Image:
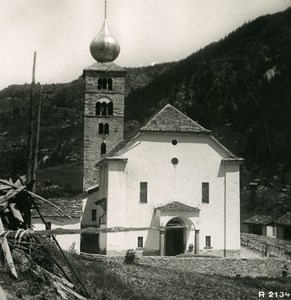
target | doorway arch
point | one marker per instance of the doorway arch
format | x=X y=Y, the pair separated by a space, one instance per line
x=175 y=237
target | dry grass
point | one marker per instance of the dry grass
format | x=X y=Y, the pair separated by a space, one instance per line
x=118 y=280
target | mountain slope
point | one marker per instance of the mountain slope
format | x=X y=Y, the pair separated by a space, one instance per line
x=238 y=87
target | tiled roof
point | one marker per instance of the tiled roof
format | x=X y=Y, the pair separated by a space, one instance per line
x=260 y=219
x=175 y=205
x=284 y=220
x=170 y=119
x=70 y=205
x=109 y=66
x=122 y=144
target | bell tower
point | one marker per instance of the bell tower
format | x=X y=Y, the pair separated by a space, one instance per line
x=103 y=104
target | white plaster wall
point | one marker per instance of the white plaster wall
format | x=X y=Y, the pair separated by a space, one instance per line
x=149 y=159
x=102 y=240
x=65 y=240
x=271 y=231
x=232 y=206
x=89 y=205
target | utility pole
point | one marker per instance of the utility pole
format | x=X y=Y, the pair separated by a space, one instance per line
x=30 y=160
x=30 y=129
x=36 y=144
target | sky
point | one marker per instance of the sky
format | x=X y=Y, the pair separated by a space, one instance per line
x=149 y=31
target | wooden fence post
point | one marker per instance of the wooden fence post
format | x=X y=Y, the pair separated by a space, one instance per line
x=6 y=252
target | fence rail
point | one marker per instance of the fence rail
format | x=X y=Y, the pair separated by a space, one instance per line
x=89 y=230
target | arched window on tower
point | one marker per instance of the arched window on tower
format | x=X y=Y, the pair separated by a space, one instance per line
x=104 y=84
x=103 y=109
x=103 y=148
x=109 y=82
x=99 y=85
x=106 y=128
x=98 y=108
x=110 y=108
x=101 y=128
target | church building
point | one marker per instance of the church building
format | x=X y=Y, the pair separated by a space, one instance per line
x=173 y=185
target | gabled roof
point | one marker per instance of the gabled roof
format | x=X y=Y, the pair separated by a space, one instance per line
x=109 y=66
x=70 y=205
x=284 y=220
x=119 y=146
x=260 y=220
x=170 y=119
x=175 y=205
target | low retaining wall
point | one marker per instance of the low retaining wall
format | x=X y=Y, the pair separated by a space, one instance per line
x=267 y=246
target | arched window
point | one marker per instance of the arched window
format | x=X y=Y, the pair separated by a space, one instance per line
x=101 y=128
x=110 y=108
x=109 y=82
x=98 y=108
x=103 y=109
x=106 y=128
x=104 y=84
x=99 y=86
x=103 y=148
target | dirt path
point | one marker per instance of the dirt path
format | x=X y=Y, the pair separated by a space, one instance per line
x=246 y=253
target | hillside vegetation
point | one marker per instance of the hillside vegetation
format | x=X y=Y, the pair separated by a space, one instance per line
x=239 y=87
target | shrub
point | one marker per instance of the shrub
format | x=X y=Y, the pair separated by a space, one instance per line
x=130 y=257
x=72 y=249
x=191 y=247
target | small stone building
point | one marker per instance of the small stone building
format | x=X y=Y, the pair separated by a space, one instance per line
x=56 y=219
x=261 y=225
x=283 y=225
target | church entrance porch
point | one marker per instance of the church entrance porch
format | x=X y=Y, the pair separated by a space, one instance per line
x=175 y=238
x=179 y=228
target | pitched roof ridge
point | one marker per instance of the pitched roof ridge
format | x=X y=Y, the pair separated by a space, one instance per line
x=180 y=112
x=260 y=219
x=191 y=126
x=176 y=205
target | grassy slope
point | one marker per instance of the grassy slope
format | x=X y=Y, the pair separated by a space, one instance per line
x=68 y=175
x=151 y=282
x=110 y=278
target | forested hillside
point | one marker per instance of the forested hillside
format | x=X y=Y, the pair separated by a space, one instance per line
x=239 y=87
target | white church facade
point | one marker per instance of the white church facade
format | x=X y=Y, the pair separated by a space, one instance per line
x=173 y=185
x=173 y=173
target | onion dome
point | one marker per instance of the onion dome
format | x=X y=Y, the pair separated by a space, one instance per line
x=104 y=48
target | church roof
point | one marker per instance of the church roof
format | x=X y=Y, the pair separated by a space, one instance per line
x=123 y=143
x=175 y=205
x=170 y=119
x=284 y=220
x=260 y=220
x=108 y=66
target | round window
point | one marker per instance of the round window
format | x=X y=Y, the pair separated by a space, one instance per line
x=174 y=161
x=174 y=142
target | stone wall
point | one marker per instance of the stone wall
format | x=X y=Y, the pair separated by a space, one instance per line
x=267 y=246
x=92 y=138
